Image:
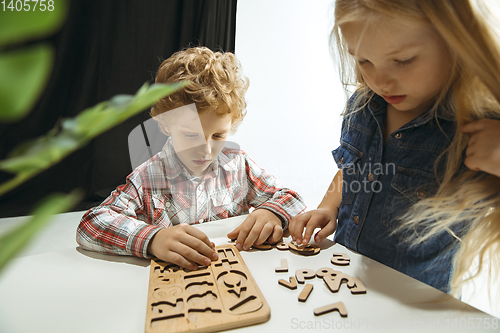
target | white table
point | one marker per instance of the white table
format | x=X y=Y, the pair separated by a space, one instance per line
x=54 y=286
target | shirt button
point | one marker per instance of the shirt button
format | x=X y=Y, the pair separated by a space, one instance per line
x=200 y=221
x=356 y=219
x=374 y=104
x=422 y=194
x=398 y=135
x=341 y=160
x=370 y=177
x=168 y=204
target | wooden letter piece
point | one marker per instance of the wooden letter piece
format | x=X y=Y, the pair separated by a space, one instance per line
x=304 y=294
x=283 y=268
x=340 y=259
x=302 y=274
x=282 y=246
x=290 y=285
x=264 y=247
x=305 y=250
x=359 y=287
x=333 y=282
x=326 y=271
x=339 y=306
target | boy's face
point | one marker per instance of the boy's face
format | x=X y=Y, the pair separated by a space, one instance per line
x=198 y=138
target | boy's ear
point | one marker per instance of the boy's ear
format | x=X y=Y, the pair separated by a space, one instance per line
x=166 y=130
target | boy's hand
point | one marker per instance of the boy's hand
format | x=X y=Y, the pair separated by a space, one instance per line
x=183 y=245
x=259 y=226
x=483 y=150
x=318 y=218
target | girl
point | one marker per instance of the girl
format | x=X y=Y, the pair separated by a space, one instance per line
x=419 y=157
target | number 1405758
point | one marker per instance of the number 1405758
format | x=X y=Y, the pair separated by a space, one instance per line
x=27 y=5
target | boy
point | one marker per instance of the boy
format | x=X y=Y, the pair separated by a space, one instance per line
x=194 y=178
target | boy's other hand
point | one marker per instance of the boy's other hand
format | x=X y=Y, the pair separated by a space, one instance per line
x=183 y=245
x=318 y=218
x=259 y=226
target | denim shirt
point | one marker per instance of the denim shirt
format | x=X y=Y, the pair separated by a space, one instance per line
x=382 y=181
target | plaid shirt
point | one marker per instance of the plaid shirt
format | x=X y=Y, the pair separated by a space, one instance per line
x=161 y=193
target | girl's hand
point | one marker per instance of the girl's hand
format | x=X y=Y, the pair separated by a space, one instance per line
x=183 y=245
x=259 y=226
x=318 y=218
x=483 y=151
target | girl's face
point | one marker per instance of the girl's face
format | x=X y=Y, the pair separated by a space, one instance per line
x=406 y=63
x=198 y=138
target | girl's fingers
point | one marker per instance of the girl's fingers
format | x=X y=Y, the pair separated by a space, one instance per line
x=474 y=126
x=311 y=225
x=472 y=140
x=326 y=231
x=298 y=226
x=469 y=151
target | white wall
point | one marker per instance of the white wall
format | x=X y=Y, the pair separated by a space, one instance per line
x=295 y=98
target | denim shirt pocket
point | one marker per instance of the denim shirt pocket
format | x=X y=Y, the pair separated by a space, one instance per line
x=407 y=188
x=347 y=158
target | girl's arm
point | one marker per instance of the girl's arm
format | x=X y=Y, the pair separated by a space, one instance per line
x=324 y=217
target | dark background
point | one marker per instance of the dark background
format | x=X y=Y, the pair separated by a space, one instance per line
x=107 y=48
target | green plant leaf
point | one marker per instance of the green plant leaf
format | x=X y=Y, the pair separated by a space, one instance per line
x=32 y=157
x=25 y=73
x=22 y=25
x=15 y=240
x=102 y=117
x=40 y=153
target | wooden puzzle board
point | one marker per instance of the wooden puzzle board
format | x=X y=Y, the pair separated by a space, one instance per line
x=218 y=297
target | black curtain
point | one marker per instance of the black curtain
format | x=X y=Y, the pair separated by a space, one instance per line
x=107 y=48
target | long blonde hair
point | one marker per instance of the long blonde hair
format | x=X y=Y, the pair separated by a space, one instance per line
x=465 y=197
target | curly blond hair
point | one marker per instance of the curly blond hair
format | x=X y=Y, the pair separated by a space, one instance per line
x=216 y=83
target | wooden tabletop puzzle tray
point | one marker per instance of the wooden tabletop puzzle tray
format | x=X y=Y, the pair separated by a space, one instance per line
x=213 y=298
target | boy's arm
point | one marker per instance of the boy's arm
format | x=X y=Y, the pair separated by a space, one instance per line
x=265 y=191
x=115 y=226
